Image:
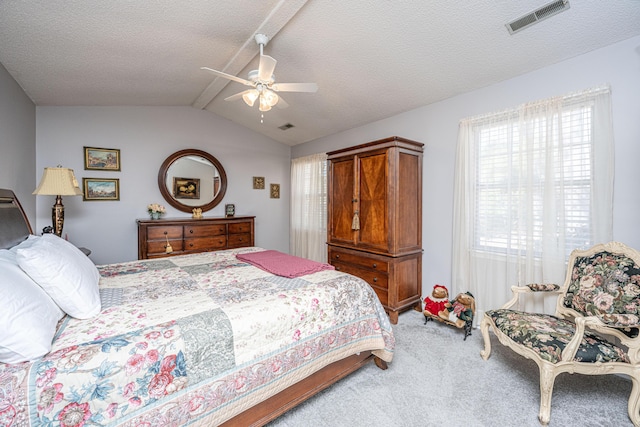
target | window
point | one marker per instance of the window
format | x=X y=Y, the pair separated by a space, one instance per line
x=309 y=207
x=504 y=159
x=531 y=184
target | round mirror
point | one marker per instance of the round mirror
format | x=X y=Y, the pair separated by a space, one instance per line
x=191 y=179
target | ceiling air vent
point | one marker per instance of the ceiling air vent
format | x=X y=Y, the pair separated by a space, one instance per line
x=544 y=12
x=285 y=126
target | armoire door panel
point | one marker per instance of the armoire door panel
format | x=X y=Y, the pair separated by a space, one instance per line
x=373 y=201
x=342 y=201
x=409 y=193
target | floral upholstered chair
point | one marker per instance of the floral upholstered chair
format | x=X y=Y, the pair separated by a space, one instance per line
x=595 y=329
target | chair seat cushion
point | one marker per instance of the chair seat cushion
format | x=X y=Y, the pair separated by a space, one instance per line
x=548 y=335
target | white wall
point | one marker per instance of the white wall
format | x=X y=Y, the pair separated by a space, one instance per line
x=17 y=142
x=145 y=137
x=436 y=125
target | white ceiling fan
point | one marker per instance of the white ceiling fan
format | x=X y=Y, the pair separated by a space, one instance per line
x=262 y=82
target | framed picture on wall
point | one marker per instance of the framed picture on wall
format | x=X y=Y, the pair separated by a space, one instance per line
x=186 y=188
x=101 y=159
x=275 y=191
x=100 y=189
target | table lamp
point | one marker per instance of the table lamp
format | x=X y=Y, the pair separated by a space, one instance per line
x=58 y=182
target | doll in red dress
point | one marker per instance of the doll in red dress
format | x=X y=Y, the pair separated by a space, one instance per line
x=435 y=303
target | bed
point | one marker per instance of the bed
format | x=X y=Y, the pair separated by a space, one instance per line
x=203 y=339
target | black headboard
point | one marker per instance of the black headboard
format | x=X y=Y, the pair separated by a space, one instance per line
x=14 y=224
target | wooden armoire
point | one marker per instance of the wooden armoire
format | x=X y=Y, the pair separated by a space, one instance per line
x=375 y=218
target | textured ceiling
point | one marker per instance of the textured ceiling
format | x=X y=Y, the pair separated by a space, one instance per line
x=371 y=60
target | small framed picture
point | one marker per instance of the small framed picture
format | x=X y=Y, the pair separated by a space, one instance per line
x=229 y=210
x=101 y=159
x=100 y=189
x=275 y=191
x=258 y=182
x=186 y=188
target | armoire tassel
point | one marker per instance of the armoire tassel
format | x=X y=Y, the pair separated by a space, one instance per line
x=355 y=224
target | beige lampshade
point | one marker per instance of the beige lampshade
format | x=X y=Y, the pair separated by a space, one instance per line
x=58 y=181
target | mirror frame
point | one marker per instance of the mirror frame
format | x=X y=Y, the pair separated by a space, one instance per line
x=162 y=180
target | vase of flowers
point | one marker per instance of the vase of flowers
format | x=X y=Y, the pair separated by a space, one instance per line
x=155 y=210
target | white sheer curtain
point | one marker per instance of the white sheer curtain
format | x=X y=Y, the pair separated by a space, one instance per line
x=309 y=207
x=531 y=184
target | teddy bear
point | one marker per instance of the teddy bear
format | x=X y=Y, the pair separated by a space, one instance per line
x=460 y=310
x=435 y=303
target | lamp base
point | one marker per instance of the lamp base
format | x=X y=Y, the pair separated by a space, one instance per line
x=57 y=216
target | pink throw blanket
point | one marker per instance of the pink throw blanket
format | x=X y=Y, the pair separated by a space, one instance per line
x=282 y=264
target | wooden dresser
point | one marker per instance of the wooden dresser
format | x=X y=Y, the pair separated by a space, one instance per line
x=375 y=218
x=187 y=235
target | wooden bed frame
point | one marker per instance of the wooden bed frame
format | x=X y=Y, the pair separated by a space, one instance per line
x=15 y=227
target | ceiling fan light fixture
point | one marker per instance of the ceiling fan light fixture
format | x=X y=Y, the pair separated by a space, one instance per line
x=264 y=105
x=271 y=97
x=250 y=97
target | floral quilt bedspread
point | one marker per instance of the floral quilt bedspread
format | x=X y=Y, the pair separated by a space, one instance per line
x=191 y=338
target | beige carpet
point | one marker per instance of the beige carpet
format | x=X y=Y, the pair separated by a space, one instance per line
x=437 y=379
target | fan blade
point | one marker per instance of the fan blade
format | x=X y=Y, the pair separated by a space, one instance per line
x=295 y=87
x=281 y=103
x=266 y=67
x=228 y=76
x=237 y=95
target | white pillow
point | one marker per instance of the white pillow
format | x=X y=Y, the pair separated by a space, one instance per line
x=65 y=273
x=28 y=316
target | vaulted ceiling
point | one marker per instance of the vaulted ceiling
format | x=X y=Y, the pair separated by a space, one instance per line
x=371 y=59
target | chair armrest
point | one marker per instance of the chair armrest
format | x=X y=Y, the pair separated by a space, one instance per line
x=528 y=289
x=571 y=348
x=596 y=323
x=624 y=320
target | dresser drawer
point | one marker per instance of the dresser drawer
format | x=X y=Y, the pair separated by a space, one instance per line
x=239 y=240
x=160 y=246
x=159 y=232
x=204 y=230
x=239 y=227
x=205 y=243
x=359 y=260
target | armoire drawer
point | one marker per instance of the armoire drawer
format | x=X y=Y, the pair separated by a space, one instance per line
x=377 y=279
x=359 y=260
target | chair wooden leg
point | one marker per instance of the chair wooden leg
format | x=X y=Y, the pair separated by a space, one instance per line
x=484 y=329
x=634 y=401
x=547 y=378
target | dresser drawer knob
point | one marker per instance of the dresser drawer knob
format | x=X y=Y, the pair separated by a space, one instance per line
x=191 y=231
x=337 y=256
x=165 y=233
x=375 y=265
x=375 y=280
x=337 y=268
x=190 y=245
